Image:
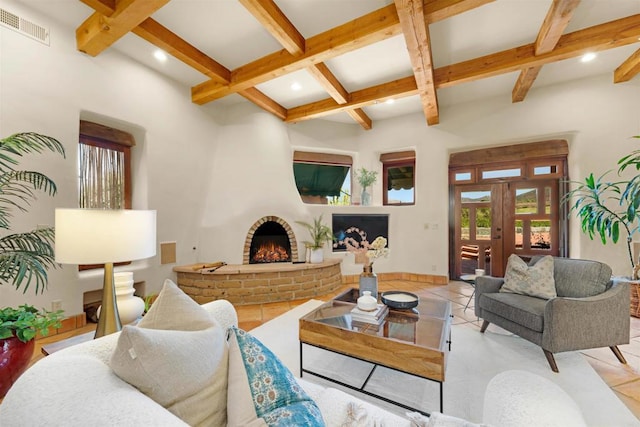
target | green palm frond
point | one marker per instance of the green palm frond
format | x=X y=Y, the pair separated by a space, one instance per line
x=17 y=190
x=25 y=143
x=25 y=257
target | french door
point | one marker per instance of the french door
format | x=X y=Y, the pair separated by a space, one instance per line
x=501 y=207
x=493 y=221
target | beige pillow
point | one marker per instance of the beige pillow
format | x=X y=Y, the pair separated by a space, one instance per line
x=173 y=309
x=182 y=368
x=535 y=281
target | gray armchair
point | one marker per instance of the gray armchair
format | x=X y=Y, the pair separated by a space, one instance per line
x=590 y=310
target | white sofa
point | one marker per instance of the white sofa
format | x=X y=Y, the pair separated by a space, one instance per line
x=76 y=386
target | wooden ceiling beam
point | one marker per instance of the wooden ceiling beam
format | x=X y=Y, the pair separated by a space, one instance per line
x=628 y=69
x=416 y=36
x=163 y=38
x=361 y=118
x=600 y=37
x=105 y=7
x=99 y=32
x=438 y=10
x=363 y=31
x=329 y=82
x=277 y=24
x=264 y=102
x=553 y=26
x=334 y=88
x=524 y=83
x=370 y=28
x=605 y=36
x=558 y=17
x=361 y=98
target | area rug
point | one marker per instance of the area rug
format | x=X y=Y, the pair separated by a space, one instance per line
x=474 y=359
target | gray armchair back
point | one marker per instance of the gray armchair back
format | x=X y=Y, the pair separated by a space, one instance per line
x=590 y=310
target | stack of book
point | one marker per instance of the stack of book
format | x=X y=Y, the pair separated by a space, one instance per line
x=373 y=317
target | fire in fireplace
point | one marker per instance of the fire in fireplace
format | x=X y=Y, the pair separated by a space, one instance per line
x=270 y=243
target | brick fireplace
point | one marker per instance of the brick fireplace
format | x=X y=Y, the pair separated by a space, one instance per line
x=262 y=281
x=273 y=225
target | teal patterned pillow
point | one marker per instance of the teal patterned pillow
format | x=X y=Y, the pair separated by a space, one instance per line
x=261 y=390
x=535 y=281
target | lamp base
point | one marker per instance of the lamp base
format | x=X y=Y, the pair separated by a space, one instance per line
x=109 y=320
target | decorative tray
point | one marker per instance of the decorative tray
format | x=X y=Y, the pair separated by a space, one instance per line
x=399 y=299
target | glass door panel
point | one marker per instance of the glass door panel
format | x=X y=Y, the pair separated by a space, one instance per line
x=473 y=230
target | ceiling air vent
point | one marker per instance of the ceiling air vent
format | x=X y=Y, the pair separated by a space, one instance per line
x=24 y=26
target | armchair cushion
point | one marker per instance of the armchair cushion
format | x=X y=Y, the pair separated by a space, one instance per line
x=524 y=310
x=536 y=280
x=578 y=278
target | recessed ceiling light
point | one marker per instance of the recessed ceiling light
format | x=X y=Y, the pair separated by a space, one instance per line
x=160 y=55
x=590 y=56
x=390 y=101
x=296 y=86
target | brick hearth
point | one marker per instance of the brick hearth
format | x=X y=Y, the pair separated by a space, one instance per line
x=260 y=283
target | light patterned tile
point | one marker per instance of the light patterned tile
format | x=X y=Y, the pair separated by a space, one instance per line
x=630 y=389
x=613 y=374
x=273 y=310
x=249 y=312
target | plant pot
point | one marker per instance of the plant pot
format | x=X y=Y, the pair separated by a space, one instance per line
x=15 y=356
x=317 y=256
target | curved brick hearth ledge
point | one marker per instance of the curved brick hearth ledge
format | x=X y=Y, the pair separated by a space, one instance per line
x=259 y=283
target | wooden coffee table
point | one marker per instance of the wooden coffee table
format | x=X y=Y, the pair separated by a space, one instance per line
x=415 y=342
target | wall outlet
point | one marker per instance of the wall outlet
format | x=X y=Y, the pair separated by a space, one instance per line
x=56 y=305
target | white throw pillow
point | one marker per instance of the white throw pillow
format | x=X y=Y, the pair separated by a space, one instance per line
x=535 y=281
x=178 y=357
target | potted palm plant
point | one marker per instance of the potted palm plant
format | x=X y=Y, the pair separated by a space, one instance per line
x=320 y=234
x=608 y=209
x=611 y=209
x=24 y=257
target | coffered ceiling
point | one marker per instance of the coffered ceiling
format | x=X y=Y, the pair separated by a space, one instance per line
x=344 y=59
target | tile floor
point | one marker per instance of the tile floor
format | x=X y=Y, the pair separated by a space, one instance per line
x=624 y=380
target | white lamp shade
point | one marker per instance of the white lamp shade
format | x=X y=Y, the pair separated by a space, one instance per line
x=92 y=236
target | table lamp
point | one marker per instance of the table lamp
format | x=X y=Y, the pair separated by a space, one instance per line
x=92 y=236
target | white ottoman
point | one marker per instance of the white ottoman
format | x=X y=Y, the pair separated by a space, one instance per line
x=520 y=398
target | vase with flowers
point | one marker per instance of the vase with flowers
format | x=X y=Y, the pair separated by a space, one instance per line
x=365 y=253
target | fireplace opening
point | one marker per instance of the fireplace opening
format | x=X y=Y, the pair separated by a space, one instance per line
x=270 y=243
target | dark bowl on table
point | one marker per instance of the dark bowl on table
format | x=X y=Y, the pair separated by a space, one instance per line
x=387 y=299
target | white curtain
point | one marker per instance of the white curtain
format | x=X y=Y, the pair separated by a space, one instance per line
x=101 y=178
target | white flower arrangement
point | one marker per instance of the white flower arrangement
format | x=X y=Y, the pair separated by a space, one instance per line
x=378 y=249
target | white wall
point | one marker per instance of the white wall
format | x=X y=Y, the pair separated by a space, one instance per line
x=48 y=89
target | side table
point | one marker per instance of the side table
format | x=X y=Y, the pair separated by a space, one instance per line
x=470 y=279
